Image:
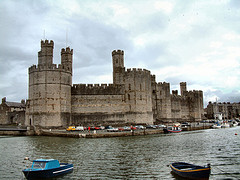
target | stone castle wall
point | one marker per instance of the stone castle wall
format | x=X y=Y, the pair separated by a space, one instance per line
x=176 y=108
x=94 y=104
x=138 y=95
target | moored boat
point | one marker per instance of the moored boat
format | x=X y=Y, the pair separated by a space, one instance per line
x=172 y=129
x=225 y=125
x=234 y=124
x=216 y=126
x=47 y=168
x=191 y=171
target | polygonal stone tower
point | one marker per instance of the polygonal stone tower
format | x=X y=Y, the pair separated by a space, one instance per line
x=49 y=102
x=118 y=66
x=183 y=88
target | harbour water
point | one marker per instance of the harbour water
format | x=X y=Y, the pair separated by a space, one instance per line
x=136 y=157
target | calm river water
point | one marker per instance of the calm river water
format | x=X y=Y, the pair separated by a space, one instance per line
x=137 y=157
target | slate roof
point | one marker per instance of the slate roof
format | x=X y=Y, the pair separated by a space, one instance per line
x=15 y=104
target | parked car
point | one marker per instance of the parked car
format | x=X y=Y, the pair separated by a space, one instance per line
x=140 y=127
x=185 y=124
x=161 y=126
x=126 y=128
x=133 y=128
x=71 y=128
x=120 y=129
x=151 y=127
x=79 y=128
x=101 y=127
x=108 y=127
x=112 y=129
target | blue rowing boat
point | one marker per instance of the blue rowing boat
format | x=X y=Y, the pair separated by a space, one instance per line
x=191 y=171
x=47 y=168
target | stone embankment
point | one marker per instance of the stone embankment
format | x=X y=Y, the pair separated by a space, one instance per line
x=97 y=134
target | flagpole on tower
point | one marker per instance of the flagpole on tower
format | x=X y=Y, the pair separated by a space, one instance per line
x=44 y=38
x=66 y=37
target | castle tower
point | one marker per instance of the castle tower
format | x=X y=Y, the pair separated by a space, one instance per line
x=45 y=56
x=118 y=66
x=66 y=58
x=183 y=88
x=49 y=101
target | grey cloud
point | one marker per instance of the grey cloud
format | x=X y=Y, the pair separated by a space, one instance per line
x=232 y=97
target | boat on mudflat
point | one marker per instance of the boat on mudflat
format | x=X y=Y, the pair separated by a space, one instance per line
x=47 y=168
x=172 y=129
x=191 y=171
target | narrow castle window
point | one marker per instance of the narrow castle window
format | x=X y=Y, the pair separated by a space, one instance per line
x=128 y=96
x=140 y=87
x=129 y=86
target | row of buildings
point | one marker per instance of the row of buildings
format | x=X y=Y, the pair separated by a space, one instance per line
x=134 y=97
x=225 y=110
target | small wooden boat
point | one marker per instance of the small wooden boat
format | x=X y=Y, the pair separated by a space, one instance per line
x=191 y=171
x=174 y=129
x=47 y=168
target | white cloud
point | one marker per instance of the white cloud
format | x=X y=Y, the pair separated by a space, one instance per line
x=164 y=6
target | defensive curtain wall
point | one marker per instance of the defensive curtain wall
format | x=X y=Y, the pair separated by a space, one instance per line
x=168 y=108
x=94 y=104
x=134 y=97
x=114 y=103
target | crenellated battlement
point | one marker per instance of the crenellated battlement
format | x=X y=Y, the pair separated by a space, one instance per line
x=163 y=84
x=137 y=70
x=194 y=93
x=177 y=97
x=67 y=51
x=54 y=67
x=47 y=43
x=96 y=89
x=175 y=92
x=183 y=84
x=153 y=78
x=118 y=52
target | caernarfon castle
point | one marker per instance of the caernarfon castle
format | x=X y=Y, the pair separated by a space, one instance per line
x=134 y=97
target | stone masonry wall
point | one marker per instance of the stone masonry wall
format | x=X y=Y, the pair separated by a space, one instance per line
x=138 y=94
x=49 y=102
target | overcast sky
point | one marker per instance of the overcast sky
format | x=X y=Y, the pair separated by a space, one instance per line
x=197 y=42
